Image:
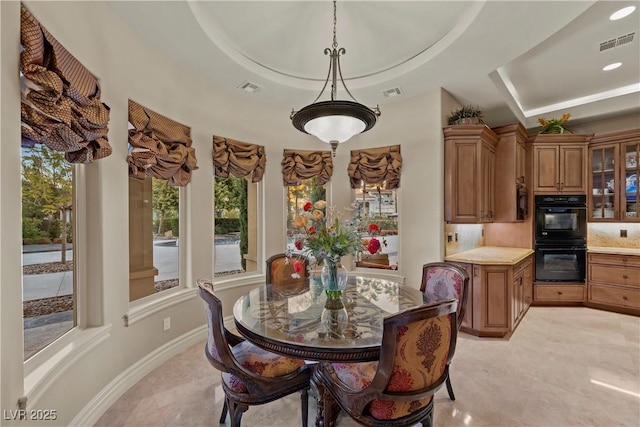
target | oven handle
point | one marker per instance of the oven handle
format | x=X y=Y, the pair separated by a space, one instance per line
x=555 y=249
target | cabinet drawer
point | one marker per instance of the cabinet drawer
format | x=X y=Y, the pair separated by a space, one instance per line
x=614 y=259
x=522 y=265
x=615 y=296
x=614 y=275
x=558 y=293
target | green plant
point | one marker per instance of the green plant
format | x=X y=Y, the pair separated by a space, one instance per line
x=555 y=125
x=469 y=111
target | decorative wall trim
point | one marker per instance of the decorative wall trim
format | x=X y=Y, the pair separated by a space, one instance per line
x=102 y=401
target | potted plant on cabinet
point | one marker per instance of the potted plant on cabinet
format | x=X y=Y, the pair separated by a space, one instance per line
x=469 y=114
x=555 y=125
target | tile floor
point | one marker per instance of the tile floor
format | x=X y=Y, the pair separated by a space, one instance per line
x=562 y=367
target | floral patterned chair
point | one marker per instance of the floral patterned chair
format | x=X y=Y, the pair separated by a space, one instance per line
x=250 y=375
x=442 y=281
x=397 y=390
x=288 y=275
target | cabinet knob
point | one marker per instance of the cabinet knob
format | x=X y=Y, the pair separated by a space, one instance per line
x=624 y=276
x=559 y=292
x=561 y=185
x=624 y=297
x=624 y=260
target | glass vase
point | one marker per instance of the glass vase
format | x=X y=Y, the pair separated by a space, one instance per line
x=334 y=277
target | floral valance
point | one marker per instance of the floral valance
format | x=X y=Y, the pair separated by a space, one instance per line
x=61 y=105
x=298 y=165
x=237 y=158
x=375 y=166
x=159 y=147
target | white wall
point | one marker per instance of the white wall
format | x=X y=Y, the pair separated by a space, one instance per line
x=127 y=69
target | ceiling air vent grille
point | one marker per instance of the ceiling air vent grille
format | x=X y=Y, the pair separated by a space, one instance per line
x=250 y=87
x=390 y=93
x=610 y=44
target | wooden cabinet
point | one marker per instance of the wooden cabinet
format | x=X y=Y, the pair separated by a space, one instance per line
x=500 y=296
x=613 y=177
x=469 y=174
x=559 y=163
x=511 y=177
x=613 y=281
x=559 y=294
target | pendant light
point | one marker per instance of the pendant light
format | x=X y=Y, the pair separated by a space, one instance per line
x=334 y=121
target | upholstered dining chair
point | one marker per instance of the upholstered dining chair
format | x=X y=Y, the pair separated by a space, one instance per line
x=397 y=390
x=250 y=375
x=442 y=281
x=282 y=276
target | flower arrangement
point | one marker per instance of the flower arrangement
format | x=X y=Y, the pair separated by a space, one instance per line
x=374 y=245
x=555 y=125
x=324 y=234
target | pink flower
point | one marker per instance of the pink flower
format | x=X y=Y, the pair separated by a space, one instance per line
x=374 y=245
x=308 y=206
x=297 y=266
x=299 y=244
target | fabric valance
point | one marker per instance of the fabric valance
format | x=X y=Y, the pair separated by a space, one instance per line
x=298 y=165
x=237 y=158
x=375 y=166
x=61 y=105
x=159 y=147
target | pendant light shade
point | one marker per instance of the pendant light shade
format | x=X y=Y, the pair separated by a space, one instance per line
x=334 y=121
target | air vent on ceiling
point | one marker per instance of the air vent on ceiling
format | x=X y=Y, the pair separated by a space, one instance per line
x=390 y=93
x=249 y=87
x=610 y=44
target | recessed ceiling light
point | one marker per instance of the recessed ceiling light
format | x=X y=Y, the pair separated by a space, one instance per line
x=625 y=11
x=611 y=66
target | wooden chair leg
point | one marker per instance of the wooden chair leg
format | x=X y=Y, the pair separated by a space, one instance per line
x=428 y=420
x=223 y=417
x=235 y=411
x=450 y=389
x=304 y=397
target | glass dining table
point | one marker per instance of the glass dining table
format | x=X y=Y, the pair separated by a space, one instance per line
x=287 y=321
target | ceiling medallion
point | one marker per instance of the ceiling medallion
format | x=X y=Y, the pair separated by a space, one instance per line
x=334 y=121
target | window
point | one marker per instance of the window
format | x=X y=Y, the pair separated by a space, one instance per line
x=154 y=235
x=48 y=211
x=375 y=204
x=297 y=196
x=235 y=226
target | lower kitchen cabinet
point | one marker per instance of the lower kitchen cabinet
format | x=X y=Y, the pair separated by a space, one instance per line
x=613 y=282
x=500 y=296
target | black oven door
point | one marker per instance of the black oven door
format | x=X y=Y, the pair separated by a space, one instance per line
x=561 y=223
x=560 y=263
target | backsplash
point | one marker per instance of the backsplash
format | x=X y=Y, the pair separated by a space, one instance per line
x=608 y=235
x=463 y=237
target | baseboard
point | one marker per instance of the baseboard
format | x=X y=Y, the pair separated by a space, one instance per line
x=102 y=401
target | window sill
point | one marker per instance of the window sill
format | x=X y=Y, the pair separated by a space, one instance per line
x=230 y=282
x=46 y=366
x=146 y=307
x=378 y=274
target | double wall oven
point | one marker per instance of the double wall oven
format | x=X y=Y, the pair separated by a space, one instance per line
x=561 y=238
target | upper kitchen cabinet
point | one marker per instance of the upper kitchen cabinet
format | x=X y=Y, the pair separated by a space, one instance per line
x=469 y=173
x=613 y=172
x=559 y=163
x=511 y=177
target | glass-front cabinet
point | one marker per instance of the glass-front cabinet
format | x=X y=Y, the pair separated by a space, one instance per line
x=613 y=172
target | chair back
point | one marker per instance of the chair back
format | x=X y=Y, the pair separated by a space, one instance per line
x=282 y=277
x=442 y=281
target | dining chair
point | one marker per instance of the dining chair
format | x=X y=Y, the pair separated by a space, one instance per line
x=282 y=276
x=250 y=374
x=442 y=281
x=396 y=390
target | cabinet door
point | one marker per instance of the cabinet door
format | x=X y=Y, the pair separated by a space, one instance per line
x=486 y=189
x=517 y=296
x=546 y=177
x=496 y=298
x=630 y=167
x=527 y=294
x=572 y=169
x=603 y=183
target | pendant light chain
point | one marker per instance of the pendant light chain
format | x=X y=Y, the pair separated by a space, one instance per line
x=335 y=20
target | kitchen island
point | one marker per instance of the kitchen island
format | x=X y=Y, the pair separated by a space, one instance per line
x=500 y=288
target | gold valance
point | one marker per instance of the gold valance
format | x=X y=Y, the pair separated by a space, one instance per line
x=61 y=105
x=298 y=165
x=237 y=158
x=375 y=166
x=160 y=147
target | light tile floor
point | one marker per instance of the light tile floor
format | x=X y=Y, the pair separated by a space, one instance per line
x=564 y=366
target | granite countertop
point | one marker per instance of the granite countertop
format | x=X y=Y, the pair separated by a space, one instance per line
x=616 y=251
x=491 y=255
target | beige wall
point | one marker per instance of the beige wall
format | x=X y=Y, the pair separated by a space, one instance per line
x=130 y=69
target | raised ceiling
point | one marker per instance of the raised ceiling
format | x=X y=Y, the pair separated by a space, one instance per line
x=518 y=60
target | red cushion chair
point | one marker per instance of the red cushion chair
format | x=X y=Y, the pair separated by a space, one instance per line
x=442 y=281
x=250 y=374
x=397 y=390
